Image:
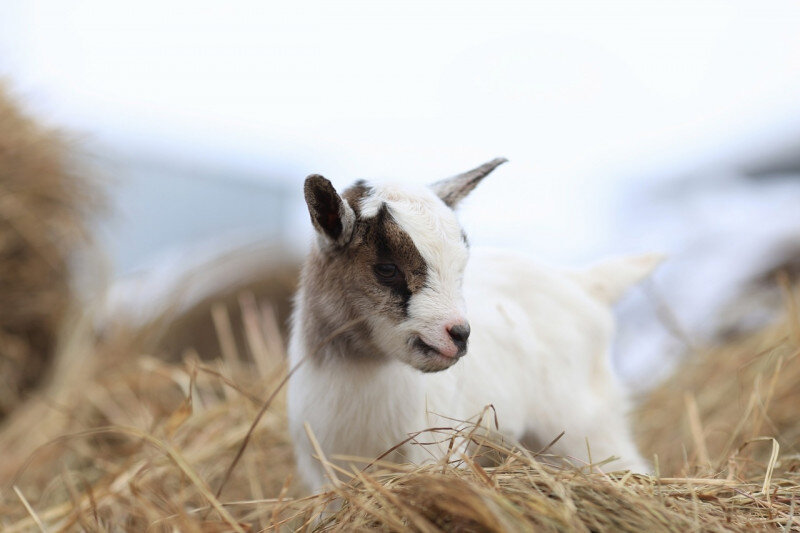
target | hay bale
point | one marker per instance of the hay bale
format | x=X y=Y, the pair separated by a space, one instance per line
x=728 y=400
x=43 y=203
x=196 y=327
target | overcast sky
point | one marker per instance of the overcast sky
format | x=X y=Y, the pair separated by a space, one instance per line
x=578 y=95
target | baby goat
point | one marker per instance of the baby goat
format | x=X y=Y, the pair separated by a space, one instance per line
x=395 y=257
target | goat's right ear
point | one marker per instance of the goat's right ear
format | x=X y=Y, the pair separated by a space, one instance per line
x=332 y=217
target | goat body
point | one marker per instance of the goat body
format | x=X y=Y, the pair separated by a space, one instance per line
x=538 y=348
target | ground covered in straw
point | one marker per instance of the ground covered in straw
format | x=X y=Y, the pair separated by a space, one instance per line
x=132 y=442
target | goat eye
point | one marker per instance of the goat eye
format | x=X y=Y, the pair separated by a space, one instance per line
x=386 y=270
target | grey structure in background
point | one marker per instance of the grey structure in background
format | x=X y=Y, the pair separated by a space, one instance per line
x=159 y=205
x=729 y=231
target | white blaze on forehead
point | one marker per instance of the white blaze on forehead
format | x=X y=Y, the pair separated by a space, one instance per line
x=431 y=225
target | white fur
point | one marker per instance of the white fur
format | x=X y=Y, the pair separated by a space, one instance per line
x=538 y=353
x=436 y=233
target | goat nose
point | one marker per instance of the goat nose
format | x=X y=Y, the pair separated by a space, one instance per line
x=459 y=333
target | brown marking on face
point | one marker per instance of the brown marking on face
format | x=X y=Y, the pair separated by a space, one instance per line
x=390 y=245
x=355 y=193
x=343 y=284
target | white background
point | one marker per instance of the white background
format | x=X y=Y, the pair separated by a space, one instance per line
x=594 y=103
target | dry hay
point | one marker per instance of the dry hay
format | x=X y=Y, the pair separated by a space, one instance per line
x=43 y=203
x=147 y=445
x=722 y=401
x=143 y=440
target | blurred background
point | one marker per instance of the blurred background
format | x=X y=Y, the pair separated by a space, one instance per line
x=630 y=126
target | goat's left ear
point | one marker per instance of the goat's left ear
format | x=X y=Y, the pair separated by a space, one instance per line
x=452 y=190
x=332 y=217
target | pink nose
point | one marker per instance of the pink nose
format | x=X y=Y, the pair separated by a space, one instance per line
x=459 y=333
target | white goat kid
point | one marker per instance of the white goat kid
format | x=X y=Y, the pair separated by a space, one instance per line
x=395 y=257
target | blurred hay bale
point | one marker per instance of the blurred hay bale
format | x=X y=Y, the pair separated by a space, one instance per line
x=722 y=400
x=43 y=206
x=191 y=295
x=197 y=327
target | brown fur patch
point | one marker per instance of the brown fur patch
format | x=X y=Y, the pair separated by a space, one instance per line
x=341 y=285
x=355 y=193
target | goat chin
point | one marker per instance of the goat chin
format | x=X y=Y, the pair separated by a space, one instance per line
x=538 y=353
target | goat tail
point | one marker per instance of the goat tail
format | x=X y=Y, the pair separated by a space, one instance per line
x=608 y=280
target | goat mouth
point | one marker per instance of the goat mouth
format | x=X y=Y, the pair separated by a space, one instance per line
x=430 y=351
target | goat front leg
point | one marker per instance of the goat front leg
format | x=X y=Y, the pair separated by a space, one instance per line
x=601 y=440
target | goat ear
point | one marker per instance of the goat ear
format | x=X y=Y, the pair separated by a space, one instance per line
x=332 y=217
x=452 y=190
